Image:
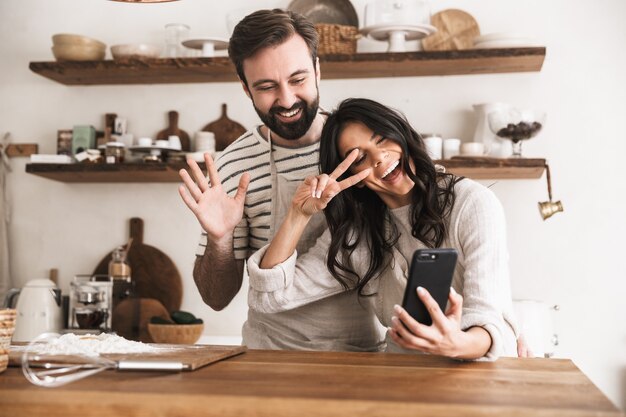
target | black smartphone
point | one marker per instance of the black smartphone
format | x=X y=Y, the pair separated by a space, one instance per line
x=431 y=269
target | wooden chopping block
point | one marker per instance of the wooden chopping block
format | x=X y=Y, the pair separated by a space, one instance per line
x=172 y=129
x=153 y=272
x=132 y=315
x=225 y=130
x=456 y=30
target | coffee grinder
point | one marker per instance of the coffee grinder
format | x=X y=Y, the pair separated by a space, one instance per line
x=91 y=302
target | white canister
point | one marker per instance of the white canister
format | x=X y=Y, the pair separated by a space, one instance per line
x=204 y=142
x=451 y=147
x=434 y=145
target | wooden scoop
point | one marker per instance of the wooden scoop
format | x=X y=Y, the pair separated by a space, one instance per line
x=172 y=129
x=225 y=130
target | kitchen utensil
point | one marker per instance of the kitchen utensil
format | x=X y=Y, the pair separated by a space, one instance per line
x=175 y=333
x=516 y=125
x=396 y=35
x=38 y=309
x=456 y=30
x=498 y=147
x=153 y=272
x=54 y=371
x=134 y=50
x=340 y=12
x=91 y=302
x=172 y=129
x=72 y=39
x=207 y=45
x=225 y=130
x=548 y=208
x=78 y=53
x=132 y=315
x=174 y=34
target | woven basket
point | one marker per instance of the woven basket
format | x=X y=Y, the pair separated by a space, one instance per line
x=336 y=39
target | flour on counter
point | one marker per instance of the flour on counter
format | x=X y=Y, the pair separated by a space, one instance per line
x=91 y=345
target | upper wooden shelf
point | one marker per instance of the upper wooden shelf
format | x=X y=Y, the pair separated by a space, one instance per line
x=476 y=168
x=365 y=65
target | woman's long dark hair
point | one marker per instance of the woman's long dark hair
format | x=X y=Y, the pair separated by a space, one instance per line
x=358 y=216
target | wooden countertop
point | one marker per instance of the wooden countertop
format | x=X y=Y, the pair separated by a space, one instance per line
x=281 y=383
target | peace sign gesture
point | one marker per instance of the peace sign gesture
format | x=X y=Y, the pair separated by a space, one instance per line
x=314 y=194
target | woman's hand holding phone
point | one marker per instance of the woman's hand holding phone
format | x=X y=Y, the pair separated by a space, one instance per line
x=444 y=337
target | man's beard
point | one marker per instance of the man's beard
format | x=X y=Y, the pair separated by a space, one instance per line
x=294 y=130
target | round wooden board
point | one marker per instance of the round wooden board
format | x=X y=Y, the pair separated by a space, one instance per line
x=456 y=30
x=153 y=272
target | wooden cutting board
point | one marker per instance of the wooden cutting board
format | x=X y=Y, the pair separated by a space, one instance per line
x=172 y=129
x=153 y=272
x=191 y=356
x=456 y=30
x=225 y=130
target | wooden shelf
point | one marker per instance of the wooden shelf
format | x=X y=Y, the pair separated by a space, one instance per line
x=127 y=172
x=365 y=65
x=495 y=168
x=476 y=168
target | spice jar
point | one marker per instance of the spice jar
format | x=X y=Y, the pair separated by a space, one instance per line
x=114 y=152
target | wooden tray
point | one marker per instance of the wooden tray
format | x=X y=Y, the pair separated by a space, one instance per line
x=192 y=357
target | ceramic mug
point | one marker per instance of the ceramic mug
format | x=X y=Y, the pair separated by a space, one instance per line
x=434 y=146
x=451 y=147
x=473 y=149
x=144 y=141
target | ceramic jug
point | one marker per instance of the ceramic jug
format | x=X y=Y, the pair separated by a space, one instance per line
x=495 y=146
x=38 y=309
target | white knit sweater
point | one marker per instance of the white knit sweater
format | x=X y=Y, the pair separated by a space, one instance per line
x=477 y=232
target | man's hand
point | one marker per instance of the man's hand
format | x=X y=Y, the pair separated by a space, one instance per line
x=217 y=212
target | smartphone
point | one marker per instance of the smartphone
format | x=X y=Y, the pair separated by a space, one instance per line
x=431 y=269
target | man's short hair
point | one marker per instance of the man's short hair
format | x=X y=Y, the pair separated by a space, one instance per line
x=267 y=28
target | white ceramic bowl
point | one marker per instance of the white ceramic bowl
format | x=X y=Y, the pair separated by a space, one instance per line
x=78 y=52
x=71 y=39
x=135 y=50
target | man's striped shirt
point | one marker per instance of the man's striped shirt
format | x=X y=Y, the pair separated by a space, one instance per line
x=251 y=153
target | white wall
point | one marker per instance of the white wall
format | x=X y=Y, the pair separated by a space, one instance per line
x=573 y=259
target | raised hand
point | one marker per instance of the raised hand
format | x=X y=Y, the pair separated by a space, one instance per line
x=314 y=194
x=217 y=212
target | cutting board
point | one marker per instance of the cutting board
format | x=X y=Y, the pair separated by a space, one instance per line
x=153 y=272
x=225 y=130
x=456 y=30
x=191 y=356
x=172 y=129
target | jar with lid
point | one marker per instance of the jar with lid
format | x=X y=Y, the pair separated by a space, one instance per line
x=114 y=152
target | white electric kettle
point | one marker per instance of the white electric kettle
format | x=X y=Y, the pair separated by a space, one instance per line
x=38 y=309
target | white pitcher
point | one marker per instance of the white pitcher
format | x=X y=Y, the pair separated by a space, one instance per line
x=495 y=146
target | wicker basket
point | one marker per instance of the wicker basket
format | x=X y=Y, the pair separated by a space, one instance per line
x=336 y=39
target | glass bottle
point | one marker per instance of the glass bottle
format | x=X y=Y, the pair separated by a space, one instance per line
x=119 y=271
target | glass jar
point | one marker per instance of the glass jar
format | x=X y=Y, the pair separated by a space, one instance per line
x=114 y=152
x=175 y=33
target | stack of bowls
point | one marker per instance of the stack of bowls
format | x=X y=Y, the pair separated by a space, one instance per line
x=68 y=47
x=7 y=327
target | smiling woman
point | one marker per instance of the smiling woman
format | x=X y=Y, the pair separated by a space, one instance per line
x=385 y=200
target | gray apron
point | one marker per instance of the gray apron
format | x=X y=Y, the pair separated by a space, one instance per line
x=283 y=190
